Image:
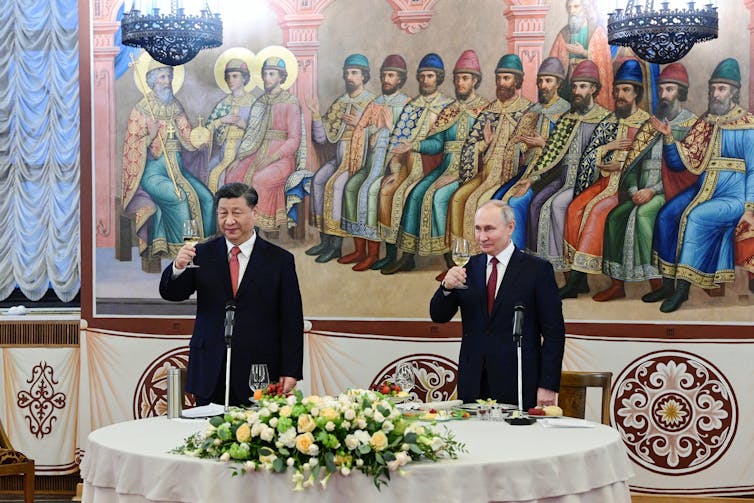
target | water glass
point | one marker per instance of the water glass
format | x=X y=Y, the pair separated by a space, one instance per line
x=405 y=376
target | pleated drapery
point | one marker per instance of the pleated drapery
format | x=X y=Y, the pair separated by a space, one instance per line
x=39 y=148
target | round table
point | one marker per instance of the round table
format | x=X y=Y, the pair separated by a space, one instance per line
x=130 y=463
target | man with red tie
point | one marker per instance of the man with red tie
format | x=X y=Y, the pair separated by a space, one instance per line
x=497 y=280
x=260 y=280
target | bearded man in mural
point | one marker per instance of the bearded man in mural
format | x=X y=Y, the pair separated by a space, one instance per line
x=549 y=108
x=423 y=224
x=581 y=39
x=336 y=128
x=272 y=147
x=366 y=164
x=228 y=121
x=155 y=185
x=540 y=198
x=693 y=236
x=416 y=120
x=596 y=190
x=493 y=152
x=644 y=186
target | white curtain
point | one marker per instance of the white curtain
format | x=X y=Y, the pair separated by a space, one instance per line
x=39 y=148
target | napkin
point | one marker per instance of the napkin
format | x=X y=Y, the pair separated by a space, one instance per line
x=565 y=422
x=444 y=405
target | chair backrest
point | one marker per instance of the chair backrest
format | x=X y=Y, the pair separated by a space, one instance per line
x=572 y=396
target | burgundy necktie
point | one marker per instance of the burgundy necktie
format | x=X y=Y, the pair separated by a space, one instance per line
x=492 y=285
x=234 y=267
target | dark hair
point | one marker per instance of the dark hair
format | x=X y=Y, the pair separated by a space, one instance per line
x=283 y=73
x=519 y=81
x=439 y=73
x=683 y=93
x=237 y=189
x=638 y=89
x=364 y=73
x=246 y=75
x=401 y=76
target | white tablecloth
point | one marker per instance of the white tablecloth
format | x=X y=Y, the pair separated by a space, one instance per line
x=129 y=463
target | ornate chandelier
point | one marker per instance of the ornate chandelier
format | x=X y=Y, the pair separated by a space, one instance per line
x=661 y=36
x=172 y=39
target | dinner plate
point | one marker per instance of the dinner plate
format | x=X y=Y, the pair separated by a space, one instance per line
x=473 y=407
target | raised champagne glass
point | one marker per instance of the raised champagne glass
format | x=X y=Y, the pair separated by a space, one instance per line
x=191 y=236
x=461 y=255
x=405 y=376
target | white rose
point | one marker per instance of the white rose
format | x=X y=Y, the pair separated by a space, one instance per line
x=359 y=462
x=267 y=434
x=437 y=443
x=350 y=414
x=387 y=426
x=313 y=450
x=330 y=426
x=225 y=456
x=393 y=465
x=264 y=412
x=346 y=425
x=273 y=407
x=274 y=422
x=250 y=466
x=290 y=461
x=351 y=442
x=285 y=411
x=314 y=412
x=403 y=458
x=378 y=416
x=217 y=441
x=368 y=412
x=291 y=400
x=344 y=470
x=313 y=462
x=361 y=423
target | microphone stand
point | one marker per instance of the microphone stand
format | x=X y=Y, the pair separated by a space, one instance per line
x=230 y=312
x=518 y=322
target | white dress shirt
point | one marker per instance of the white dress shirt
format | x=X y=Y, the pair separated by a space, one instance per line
x=243 y=257
x=503 y=258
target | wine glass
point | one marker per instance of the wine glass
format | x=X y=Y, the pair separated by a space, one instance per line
x=461 y=255
x=259 y=376
x=191 y=235
x=404 y=376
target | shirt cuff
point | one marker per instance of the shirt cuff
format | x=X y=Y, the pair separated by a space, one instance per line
x=177 y=272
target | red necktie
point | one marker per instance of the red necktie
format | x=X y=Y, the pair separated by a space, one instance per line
x=492 y=285
x=234 y=268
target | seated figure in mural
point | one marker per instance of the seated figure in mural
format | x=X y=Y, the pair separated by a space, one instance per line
x=596 y=195
x=366 y=164
x=493 y=151
x=336 y=128
x=405 y=169
x=228 y=121
x=694 y=232
x=540 y=198
x=549 y=108
x=423 y=223
x=155 y=185
x=644 y=185
x=580 y=40
x=272 y=146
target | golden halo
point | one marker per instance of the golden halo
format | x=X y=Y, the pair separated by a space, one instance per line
x=291 y=64
x=141 y=67
x=241 y=53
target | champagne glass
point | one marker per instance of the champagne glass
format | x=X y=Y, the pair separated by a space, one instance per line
x=404 y=376
x=191 y=236
x=461 y=255
x=259 y=377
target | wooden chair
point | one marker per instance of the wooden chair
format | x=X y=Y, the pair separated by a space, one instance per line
x=13 y=462
x=572 y=396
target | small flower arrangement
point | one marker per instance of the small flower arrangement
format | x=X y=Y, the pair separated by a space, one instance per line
x=389 y=388
x=316 y=437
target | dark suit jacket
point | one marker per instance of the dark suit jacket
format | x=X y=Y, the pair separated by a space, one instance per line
x=530 y=281
x=268 y=319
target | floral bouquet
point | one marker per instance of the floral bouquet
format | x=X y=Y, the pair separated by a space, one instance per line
x=318 y=436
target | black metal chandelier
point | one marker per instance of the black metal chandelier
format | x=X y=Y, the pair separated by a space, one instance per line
x=172 y=39
x=661 y=36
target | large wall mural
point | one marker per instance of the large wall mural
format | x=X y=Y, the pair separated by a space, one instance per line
x=374 y=129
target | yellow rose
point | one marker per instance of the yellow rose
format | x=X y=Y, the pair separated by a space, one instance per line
x=268 y=458
x=243 y=433
x=304 y=442
x=306 y=423
x=378 y=441
x=329 y=414
x=285 y=411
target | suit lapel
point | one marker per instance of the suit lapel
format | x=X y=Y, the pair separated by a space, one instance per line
x=253 y=268
x=479 y=279
x=512 y=271
x=218 y=261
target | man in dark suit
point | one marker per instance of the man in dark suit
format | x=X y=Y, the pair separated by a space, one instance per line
x=268 y=316
x=498 y=279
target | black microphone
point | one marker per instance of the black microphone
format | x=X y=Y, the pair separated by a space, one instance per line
x=230 y=315
x=518 y=319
